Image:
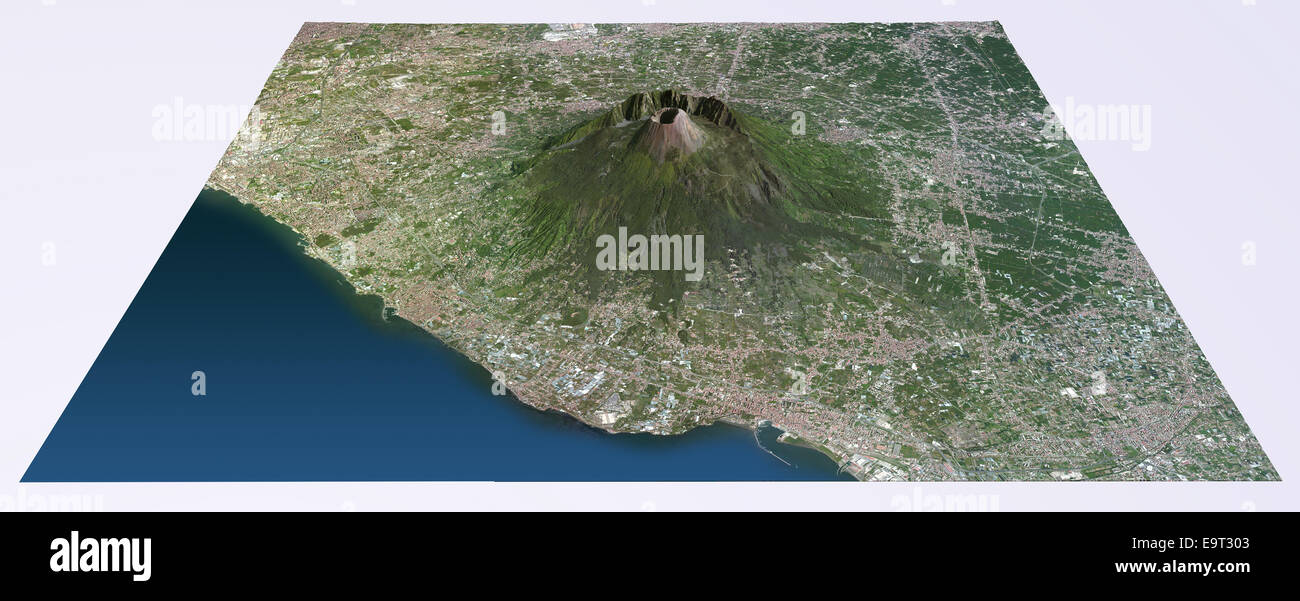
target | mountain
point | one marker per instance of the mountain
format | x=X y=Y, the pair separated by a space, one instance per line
x=670 y=134
x=667 y=163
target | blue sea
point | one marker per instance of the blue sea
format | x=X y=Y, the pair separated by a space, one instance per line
x=306 y=380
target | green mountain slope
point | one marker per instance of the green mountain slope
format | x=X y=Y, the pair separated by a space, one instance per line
x=751 y=183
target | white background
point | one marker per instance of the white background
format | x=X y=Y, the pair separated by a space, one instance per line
x=80 y=168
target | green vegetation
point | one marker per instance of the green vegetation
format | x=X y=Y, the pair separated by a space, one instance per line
x=901 y=268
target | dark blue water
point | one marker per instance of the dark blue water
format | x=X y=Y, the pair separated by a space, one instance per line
x=306 y=381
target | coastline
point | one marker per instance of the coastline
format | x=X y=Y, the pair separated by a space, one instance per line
x=362 y=301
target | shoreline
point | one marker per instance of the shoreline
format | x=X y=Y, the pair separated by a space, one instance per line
x=360 y=300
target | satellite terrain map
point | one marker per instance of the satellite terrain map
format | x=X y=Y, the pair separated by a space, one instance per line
x=872 y=237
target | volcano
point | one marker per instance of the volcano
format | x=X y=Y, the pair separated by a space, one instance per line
x=670 y=132
x=676 y=164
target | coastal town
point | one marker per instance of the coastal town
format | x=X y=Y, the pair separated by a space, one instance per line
x=938 y=289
